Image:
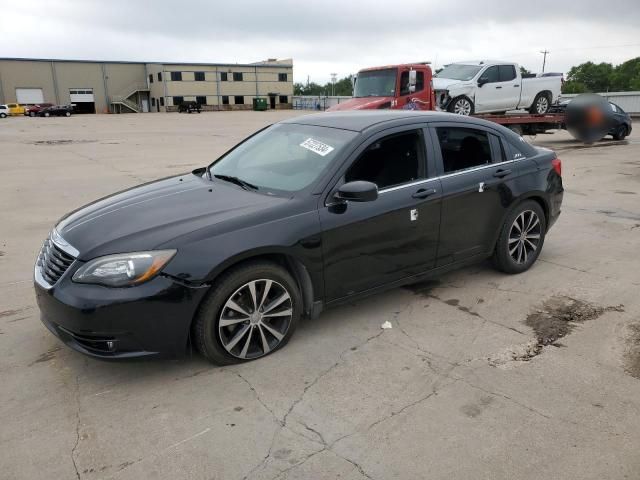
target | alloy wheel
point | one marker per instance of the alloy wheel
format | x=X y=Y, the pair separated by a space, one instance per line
x=542 y=105
x=255 y=319
x=524 y=236
x=462 y=107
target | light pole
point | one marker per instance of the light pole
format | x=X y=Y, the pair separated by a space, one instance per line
x=333 y=84
x=544 y=59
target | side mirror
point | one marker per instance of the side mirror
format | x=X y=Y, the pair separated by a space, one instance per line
x=357 y=191
x=482 y=81
x=412 y=88
x=412 y=78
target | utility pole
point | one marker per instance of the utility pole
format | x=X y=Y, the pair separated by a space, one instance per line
x=544 y=59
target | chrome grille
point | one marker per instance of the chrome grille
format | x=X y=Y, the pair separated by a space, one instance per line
x=53 y=261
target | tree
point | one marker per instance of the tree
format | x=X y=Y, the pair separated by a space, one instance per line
x=524 y=71
x=626 y=76
x=343 y=87
x=595 y=77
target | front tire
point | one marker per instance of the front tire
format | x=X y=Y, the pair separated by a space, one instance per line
x=461 y=106
x=620 y=133
x=521 y=238
x=252 y=311
x=541 y=104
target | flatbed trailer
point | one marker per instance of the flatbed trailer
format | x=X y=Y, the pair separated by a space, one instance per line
x=528 y=123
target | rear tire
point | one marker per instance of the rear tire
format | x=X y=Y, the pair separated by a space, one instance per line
x=256 y=324
x=521 y=238
x=621 y=133
x=47 y=114
x=67 y=114
x=541 y=104
x=461 y=106
x=3 y=115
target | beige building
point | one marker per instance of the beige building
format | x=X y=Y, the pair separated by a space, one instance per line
x=102 y=87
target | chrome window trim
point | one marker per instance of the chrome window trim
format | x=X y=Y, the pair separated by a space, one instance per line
x=452 y=174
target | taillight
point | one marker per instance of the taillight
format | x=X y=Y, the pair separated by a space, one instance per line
x=556 y=163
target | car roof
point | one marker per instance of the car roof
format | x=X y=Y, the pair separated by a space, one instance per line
x=360 y=120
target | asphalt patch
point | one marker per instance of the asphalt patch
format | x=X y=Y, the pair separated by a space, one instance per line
x=560 y=315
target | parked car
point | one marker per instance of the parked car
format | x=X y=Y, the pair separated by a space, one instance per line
x=15 y=109
x=306 y=214
x=493 y=87
x=189 y=107
x=33 y=110
x=620 y=121
x=4 y=111
x=56 y=111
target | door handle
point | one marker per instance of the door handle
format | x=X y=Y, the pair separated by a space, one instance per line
x=501 y=173
x=424 y=193
x=516 y=86
x=498 y=87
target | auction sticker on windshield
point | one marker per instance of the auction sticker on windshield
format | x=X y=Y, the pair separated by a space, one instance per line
x=317 y=146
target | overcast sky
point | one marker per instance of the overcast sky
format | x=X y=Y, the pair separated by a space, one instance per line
x=324 y=37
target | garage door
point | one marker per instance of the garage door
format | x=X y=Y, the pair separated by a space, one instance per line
x=29 y=96
x=82 y=100
x=81 y=95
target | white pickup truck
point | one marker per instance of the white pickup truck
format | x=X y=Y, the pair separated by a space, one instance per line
x=492 y=87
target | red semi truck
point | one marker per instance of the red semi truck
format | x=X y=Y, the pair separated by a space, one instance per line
x=410 y=86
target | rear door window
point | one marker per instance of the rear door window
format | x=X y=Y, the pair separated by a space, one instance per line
x=463 y=148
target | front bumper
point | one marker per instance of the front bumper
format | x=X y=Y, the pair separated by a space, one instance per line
x=113 y=323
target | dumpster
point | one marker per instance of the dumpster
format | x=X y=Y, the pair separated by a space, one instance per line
x=260 y=104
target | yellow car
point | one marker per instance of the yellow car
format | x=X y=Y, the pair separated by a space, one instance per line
x=15 y=109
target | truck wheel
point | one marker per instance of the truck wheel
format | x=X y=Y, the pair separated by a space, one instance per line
x=251 y=311
x=620 y=133
x=521 y=238
x=541 y=104
x=3 y=115
x=461 y=106
x=47 y=114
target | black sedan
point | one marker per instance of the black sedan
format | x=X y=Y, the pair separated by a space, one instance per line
x=303 y=215
x=56 y=111
x=619 y=120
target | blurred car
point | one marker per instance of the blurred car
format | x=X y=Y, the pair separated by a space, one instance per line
x=15 y=109
x=4 y=111
x=33 y=110
x=57 y=111
x=620 y=118
x=189 y=107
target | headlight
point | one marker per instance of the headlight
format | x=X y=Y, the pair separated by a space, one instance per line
x=123 y=270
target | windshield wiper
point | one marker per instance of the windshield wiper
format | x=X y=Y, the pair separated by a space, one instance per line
x=237 y=181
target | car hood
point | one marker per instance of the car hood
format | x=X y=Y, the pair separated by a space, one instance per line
x=444 y=83
x=152 y=215
x=362 y=103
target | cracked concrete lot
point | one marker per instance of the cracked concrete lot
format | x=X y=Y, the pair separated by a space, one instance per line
x=460 y=388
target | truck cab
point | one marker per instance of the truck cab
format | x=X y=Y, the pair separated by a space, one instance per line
x=407 y=86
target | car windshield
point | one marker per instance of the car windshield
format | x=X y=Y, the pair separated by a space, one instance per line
x=458 y=71
x=376 y=83
x=283 y=158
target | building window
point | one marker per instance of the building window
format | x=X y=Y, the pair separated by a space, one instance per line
x=282 y=77
x=201 y=100
x=153 y=101
x=199 y=76
x=159 y=76
x=178 y=100
x=176 y=76
x=223 y=76
x=150 y=78
x=225 y=99
x=238 y=100
x=162 y=101
x=237 y=76
x=284 y=99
